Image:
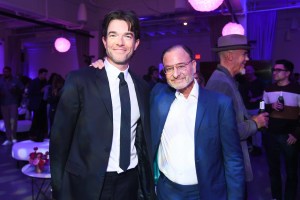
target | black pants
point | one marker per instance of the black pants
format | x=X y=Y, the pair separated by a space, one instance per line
x=39 y=127
x=276 y=145
x=120 y=186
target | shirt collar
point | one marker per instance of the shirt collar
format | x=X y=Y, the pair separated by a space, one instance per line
x=194 y=92
x=113 y=72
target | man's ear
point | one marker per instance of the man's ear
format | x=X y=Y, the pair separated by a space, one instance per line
x=104 y=41
x=228 y=55
x=137 y=43
x=194 y=65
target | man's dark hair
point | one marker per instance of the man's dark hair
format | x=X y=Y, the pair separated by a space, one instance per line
x=43 y=70
x=288 y=65
x=129 y=17
x=184 y=47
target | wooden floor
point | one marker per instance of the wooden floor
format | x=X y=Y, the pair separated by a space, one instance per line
x=16 y=186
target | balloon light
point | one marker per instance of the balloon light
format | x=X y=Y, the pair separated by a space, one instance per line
x=205 y=5
x=62 y=44
x=233 y=28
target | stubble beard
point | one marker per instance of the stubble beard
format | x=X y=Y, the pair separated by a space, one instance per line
x=188 y=81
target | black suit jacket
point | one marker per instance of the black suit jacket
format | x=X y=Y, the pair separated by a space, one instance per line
x=35 y=93
x=81 y=137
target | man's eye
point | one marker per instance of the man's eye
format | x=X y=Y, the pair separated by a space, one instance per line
x=180 y=66
x=128 y=36
x=169 y=69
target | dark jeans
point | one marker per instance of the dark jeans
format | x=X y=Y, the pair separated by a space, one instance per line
x=276 y=145
x=168 y=190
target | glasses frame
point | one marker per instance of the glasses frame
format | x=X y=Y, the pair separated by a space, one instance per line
x=181 y=65
x=279 y=70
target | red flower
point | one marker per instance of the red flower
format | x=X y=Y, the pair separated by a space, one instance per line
x=38 y=158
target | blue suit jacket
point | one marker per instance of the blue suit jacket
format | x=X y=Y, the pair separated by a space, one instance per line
x=218 y=154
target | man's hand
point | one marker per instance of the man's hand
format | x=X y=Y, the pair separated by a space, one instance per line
x=291 y=140
x=98 y=64
x=277 y=106
x=261 y=120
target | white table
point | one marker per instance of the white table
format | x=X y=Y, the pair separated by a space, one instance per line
x=43 y=185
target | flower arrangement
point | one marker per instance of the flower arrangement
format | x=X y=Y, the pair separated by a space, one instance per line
x=38 y=159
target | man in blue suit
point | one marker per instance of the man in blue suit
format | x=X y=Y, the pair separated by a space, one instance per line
x=194 y=135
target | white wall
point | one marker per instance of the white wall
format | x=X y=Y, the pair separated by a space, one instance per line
x=46 y=56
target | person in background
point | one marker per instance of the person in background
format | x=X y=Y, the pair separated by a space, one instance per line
x=200 y=78
x=53 y=96
x=152 y=77
x=11 y=90
x=252 y=92
x=23 y=108
x=296 y=78
x=194 y=135
x=233 y=54
x=47 y=93
x=283 y=133
x=95 y=124
x=38 y=105
x=162 y=76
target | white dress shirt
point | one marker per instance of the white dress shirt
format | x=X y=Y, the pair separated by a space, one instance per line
x=112 y=74
x=176 y=153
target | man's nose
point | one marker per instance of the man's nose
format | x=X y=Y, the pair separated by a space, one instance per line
x=175 y=72
x=120 y=40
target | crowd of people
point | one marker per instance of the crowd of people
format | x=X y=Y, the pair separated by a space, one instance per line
x=22 y=98
x=113 y=132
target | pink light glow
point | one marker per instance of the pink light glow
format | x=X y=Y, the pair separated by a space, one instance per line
x=62 y=44
x=233 y=28
x=205 y=5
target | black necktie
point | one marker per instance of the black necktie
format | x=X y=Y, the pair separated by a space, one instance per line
x=125 y=131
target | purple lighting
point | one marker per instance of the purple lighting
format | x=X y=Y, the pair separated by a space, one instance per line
x=62 y=44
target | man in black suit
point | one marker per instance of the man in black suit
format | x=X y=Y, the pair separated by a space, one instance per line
x=87 y=135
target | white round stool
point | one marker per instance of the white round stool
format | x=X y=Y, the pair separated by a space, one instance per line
x=21 y=150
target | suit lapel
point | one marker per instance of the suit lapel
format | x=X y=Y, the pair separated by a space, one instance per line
x=201 y=108
x=104 y=91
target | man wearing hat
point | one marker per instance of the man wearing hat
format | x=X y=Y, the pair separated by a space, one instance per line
x=233 y=54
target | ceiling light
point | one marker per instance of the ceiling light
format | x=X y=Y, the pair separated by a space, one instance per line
x=233 y=28
x=62 y=44
x=205 y=5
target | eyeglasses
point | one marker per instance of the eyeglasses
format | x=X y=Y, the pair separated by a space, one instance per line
x=180 y=68
x=279 y=70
